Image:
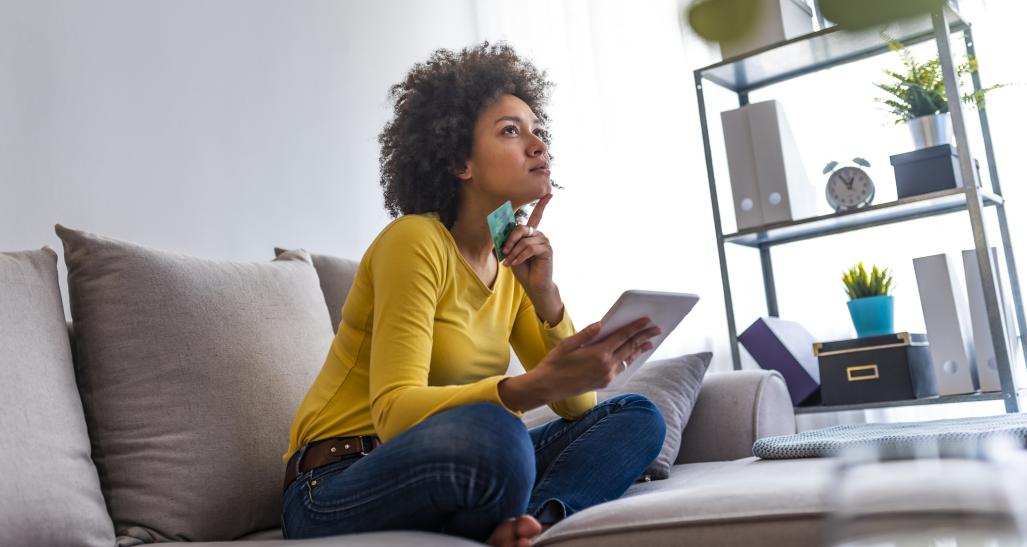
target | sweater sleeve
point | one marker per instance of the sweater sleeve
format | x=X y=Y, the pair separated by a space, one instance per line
x=532 y=338
x=407 y=270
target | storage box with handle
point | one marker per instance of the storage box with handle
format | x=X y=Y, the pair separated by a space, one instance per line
x=891 y=367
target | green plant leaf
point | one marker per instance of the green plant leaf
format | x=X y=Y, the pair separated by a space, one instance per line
x=860 y=284
x=851 y=15
x=724 y=20
x=919 y=90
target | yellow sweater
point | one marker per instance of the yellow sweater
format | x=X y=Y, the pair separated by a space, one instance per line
x=421 y=333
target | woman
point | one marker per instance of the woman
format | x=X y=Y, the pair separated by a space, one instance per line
x=418 y=363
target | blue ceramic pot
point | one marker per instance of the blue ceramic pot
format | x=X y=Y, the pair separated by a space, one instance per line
x=873 y=315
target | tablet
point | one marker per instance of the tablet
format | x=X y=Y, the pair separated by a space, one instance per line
x=666 y=309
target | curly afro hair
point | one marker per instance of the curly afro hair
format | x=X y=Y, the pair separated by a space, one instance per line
x=436 y=108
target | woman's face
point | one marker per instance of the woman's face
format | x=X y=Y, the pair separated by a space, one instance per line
x=509 y=160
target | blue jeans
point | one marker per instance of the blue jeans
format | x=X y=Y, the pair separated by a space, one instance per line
x=464 y=470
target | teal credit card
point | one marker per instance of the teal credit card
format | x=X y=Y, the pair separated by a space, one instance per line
x=501 y=223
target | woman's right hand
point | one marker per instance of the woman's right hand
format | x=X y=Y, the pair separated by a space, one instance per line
x=573 y=368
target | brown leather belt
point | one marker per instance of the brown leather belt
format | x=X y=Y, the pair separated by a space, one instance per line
x=326 y=451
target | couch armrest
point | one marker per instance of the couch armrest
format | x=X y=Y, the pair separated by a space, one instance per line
x=733 y=410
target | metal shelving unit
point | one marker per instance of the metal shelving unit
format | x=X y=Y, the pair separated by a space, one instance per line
x=833 y=47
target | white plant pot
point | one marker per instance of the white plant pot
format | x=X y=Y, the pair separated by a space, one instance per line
x=931 y=130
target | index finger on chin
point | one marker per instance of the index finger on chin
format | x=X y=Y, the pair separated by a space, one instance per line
x=536 y=213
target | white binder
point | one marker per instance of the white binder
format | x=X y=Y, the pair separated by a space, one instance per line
x=742 y=168
x=946 y=316
x=785 y=189
x=987 y=366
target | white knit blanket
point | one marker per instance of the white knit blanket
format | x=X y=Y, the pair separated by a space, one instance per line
x=831 y=441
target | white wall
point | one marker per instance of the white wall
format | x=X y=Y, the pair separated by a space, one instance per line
x=635 y=210
x=218 y=129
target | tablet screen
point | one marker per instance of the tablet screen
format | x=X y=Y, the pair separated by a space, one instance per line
x=666 y=309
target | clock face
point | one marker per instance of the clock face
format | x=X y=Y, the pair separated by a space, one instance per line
x=849 y=188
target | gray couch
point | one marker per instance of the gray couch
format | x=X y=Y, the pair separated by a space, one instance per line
x=114 y=422
x=717 y=494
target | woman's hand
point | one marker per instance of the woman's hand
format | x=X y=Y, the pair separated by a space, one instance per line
x=573 y=368
x=530 y=256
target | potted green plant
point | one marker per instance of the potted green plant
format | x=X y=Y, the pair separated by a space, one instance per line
x=871 y=305
x=916 y=96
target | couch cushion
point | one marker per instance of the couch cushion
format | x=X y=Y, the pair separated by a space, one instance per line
x=192 y=370
x=775 y=502
x=49 y=490
x=672 y=385
x=336 y=277
x=712 y=503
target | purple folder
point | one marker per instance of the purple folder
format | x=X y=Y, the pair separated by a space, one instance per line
x=786 y=347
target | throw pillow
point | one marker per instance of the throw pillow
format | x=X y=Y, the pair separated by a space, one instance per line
x=191 y=372
x=672 y=385
x=336 y=277
x=50 y=493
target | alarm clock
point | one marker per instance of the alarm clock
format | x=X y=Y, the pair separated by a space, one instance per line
x=849 y=187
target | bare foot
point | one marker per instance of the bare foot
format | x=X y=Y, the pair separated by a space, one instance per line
x=516 y=532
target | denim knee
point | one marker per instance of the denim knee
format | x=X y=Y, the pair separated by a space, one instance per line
x=632 y=400
x=650 y=421
x=491 y=436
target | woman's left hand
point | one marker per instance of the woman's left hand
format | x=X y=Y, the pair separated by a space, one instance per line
x=529 y=254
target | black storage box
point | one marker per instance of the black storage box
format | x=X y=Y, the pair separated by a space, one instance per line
x=929 y=170
x=890 y=367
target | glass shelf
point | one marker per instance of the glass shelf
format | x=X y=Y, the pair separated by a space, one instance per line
x=925 y=205
x=968 y=398
x=816 y=51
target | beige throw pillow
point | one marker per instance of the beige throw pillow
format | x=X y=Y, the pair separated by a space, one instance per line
x=336 y=277
x=49 y=490
x=672 y=385
x=191 y=372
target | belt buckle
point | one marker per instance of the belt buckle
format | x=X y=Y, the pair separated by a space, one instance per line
x=363 y=447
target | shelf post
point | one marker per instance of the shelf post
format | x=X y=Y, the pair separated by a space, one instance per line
x=768 y=281
x=975 y=207
x=736 y=361
x=1007 y=244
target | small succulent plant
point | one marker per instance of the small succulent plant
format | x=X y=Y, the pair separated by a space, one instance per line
x=859 y=284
